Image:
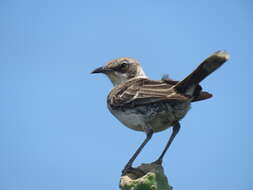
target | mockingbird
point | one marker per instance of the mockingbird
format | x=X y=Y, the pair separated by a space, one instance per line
x=149 y=105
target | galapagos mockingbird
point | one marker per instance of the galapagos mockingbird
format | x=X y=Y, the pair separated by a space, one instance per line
x=149 y=105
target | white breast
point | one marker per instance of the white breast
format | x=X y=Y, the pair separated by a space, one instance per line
x=130 y=118
x=159 y=117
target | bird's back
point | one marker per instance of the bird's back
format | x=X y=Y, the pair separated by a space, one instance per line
x=142 y=91
x=141 y=101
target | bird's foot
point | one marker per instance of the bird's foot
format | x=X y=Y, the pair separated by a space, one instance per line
x=135 y=171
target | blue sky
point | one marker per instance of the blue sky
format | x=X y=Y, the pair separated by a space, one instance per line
x=55 y=130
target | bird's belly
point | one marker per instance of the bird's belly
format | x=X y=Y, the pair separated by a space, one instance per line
x=158 y=116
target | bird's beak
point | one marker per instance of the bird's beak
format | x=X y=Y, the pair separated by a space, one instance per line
x=99 y=70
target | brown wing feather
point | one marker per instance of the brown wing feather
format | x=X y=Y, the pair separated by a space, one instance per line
x=142 y=91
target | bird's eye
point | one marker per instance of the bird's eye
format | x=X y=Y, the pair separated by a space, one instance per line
x=123 y=66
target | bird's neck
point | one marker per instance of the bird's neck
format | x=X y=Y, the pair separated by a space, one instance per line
x=141 y=73
x=116 y=80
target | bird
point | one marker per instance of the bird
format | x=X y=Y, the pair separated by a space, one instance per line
x=151 y=106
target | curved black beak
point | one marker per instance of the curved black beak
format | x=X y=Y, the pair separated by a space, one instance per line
x=98 y=70
x=101 y=70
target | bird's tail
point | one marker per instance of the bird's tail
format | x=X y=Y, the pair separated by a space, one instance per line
x=208 y=66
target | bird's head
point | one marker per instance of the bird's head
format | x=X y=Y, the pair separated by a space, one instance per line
x=121 y=69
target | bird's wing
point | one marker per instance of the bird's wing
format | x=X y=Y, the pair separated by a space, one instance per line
x=200 y=95
x=144 y=91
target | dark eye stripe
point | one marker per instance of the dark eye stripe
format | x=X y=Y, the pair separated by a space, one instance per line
x=121 y=68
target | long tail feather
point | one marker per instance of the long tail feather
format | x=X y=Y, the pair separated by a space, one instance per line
x=208 y=66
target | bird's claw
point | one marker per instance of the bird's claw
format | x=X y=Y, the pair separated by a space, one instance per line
x=132 y=170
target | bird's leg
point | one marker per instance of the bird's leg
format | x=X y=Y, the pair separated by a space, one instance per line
x=175 y=130
x=128 y=167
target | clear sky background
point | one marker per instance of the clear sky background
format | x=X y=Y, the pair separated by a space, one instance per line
x=55 y=130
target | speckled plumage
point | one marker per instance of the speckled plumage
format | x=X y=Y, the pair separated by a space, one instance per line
x=151 y=106
x=140 y=103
